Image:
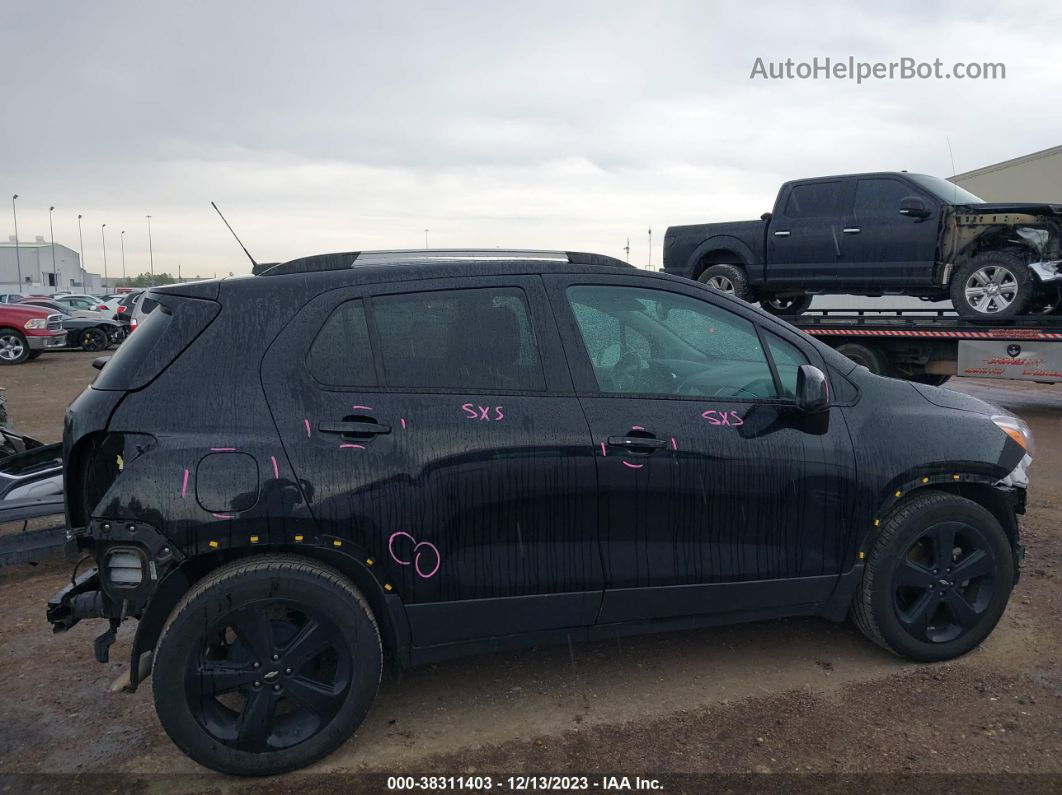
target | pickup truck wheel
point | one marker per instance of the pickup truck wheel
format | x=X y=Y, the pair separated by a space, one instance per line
x=793 y=305
x=34 y=354
x=992 y=287
x=266 y=665
x=729 y=279
x=871 y=357
x=13 y=346
x=937 y=578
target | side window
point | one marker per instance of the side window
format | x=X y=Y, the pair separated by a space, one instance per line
x=341 y=354
x=682 y=345
x=458 y=339
x=814 y=200
x=880 y=198
x=787 y=360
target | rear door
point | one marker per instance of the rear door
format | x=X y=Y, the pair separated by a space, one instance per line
x=881 y=247
x=717 y=494
x=803 y=240
x=435 y=427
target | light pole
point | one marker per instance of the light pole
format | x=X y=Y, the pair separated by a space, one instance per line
x=103 y=235
x=426 y=238
x=81 y=252
x=18 y=257
x=123 y=258
x=151 y=252
x=51 y=231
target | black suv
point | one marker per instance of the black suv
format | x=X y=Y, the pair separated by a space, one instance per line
x=422 y=455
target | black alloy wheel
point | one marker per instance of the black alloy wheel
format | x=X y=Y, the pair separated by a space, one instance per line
x=944 y=583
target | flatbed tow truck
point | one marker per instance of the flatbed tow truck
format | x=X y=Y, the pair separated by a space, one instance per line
x=931 y=346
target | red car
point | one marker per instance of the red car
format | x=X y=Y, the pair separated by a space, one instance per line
x=27 y=331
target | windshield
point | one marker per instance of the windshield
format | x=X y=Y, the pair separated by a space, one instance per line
x=944 y=190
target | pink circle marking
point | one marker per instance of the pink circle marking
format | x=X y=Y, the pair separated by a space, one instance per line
x=391 y=546
x=416 y=559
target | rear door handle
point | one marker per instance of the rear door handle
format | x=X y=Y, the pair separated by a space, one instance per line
x=852 y=230
x=783 y=233
x=632 y=442
x=358 y=428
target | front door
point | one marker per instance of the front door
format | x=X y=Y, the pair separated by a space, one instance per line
x=436 y=429
x=716 y=493
x=880 y=247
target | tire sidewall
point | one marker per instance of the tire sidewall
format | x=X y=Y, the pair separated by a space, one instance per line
x=25 y=346
x=99 y=342
x=882 y=602
x=183 y=637
x=1026 y=285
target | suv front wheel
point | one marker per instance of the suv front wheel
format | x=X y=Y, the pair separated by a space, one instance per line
x=266 y=665
x=937 y=578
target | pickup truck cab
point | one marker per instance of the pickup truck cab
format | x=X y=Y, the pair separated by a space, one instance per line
x=881 y=233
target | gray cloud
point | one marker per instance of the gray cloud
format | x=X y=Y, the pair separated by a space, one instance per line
x=322 y=126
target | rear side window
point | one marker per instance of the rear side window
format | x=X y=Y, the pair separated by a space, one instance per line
x=814 y=200
x=156 y=342
x=877 y=198
x=458 y=339
x=341 y=354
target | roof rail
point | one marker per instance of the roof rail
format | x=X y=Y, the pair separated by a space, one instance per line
x=348 y=259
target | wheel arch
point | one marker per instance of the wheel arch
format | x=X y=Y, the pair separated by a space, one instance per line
x=976 y=487
x=721 y=249
x=387 y=609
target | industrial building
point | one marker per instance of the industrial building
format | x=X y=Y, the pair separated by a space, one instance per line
x=37 y=266
x=1036 y=177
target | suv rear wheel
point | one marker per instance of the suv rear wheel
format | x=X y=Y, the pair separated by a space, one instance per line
x=937 y=578
x=266 y=665
x=992 y=287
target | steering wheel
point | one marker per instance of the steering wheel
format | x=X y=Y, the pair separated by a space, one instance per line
x=628 y=371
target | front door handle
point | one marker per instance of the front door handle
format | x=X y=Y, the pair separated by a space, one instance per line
x=353 y=428
x=781 y=233
x=852 y=230
x=634 y=442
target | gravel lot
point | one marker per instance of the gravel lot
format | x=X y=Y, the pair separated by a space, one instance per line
x=796 y=696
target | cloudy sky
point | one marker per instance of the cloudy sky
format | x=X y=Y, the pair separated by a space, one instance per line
x=325 y=126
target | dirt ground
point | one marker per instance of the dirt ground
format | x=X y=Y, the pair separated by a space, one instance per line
x=812 y=702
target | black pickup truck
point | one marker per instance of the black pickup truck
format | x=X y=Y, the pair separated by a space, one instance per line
x=886 y=233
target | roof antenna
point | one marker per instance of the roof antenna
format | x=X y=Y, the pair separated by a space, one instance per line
x=951 y=154
x=245 y=251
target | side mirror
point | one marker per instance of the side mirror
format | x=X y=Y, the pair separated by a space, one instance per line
x=100 y=362
x=812 y=389
x=914 y=207
x=765 y=217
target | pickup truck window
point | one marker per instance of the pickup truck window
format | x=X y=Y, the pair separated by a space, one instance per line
x=944 y=190
x=814 y=200
x=879 y=197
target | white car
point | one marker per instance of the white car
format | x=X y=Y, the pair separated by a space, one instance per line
x=89 y=303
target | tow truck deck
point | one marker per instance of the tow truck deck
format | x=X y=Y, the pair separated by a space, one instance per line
x=930 y=346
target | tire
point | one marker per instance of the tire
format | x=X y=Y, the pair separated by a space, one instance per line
x=787 y=307
x=14 y=349
x=33 y=355
x=911 y=600
x=870 y=356
x=730 y=279
x=93 y=339
x=1005 y=283
x=249 y=612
